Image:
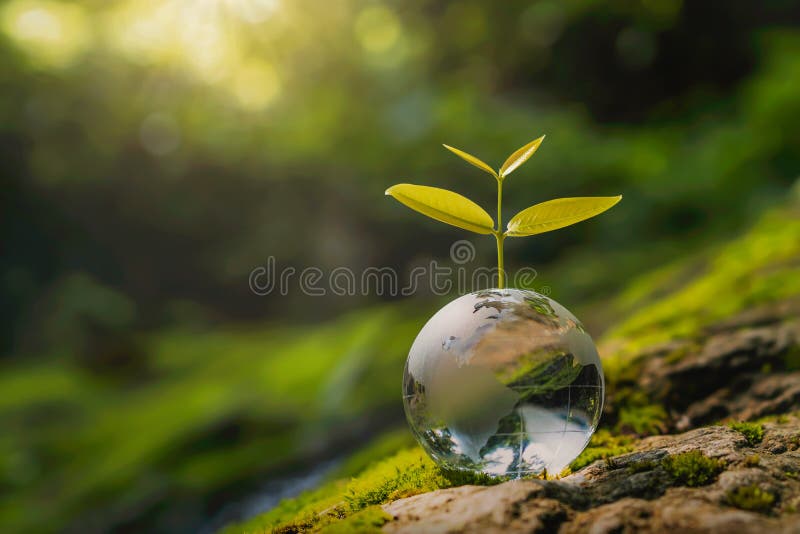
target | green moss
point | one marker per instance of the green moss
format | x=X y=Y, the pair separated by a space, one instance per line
x=461 y=477
x=751 y=498
x=603 y=445
x=379 y=449
x=652 y=285
x=643 y=420
x=302 y=513
x=636 y=411
x=753 y=432
x=367 y=521
x=758 y=268
x=693 y=468
x=642 y=466
x=406 y=473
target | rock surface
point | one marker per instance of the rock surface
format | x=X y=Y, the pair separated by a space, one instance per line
x=631 y=493
x=741 y=369
x=737 y=370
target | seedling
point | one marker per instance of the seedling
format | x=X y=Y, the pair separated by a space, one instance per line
x=452 y=208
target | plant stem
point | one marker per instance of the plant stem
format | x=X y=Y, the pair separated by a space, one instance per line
x=501 y=276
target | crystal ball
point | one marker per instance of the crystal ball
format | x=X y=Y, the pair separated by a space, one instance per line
x=505 y=382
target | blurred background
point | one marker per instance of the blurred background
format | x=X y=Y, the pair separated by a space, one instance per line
x=154 y=153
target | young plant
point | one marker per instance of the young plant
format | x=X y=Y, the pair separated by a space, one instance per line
x=452 y=208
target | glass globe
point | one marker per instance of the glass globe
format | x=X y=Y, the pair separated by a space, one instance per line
x=504 y=381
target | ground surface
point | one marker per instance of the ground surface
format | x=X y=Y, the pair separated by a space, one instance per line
x=727 y=484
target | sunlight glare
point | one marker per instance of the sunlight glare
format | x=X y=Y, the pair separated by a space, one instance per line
x=202 y=37
x=51 y=32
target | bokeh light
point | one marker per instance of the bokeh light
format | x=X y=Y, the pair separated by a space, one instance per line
x=53 y=33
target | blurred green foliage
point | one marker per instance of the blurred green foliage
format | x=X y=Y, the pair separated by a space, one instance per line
x=155 y=153
x=227 y=404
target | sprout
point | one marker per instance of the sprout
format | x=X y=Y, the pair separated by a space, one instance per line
x=452 y=208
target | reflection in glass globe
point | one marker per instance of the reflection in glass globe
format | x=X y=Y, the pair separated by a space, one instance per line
x=503 y=381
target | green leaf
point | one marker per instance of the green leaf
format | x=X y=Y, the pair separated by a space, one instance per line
x=519 y=157
x=444 y=205
x=471 y=159
x=558 y=213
